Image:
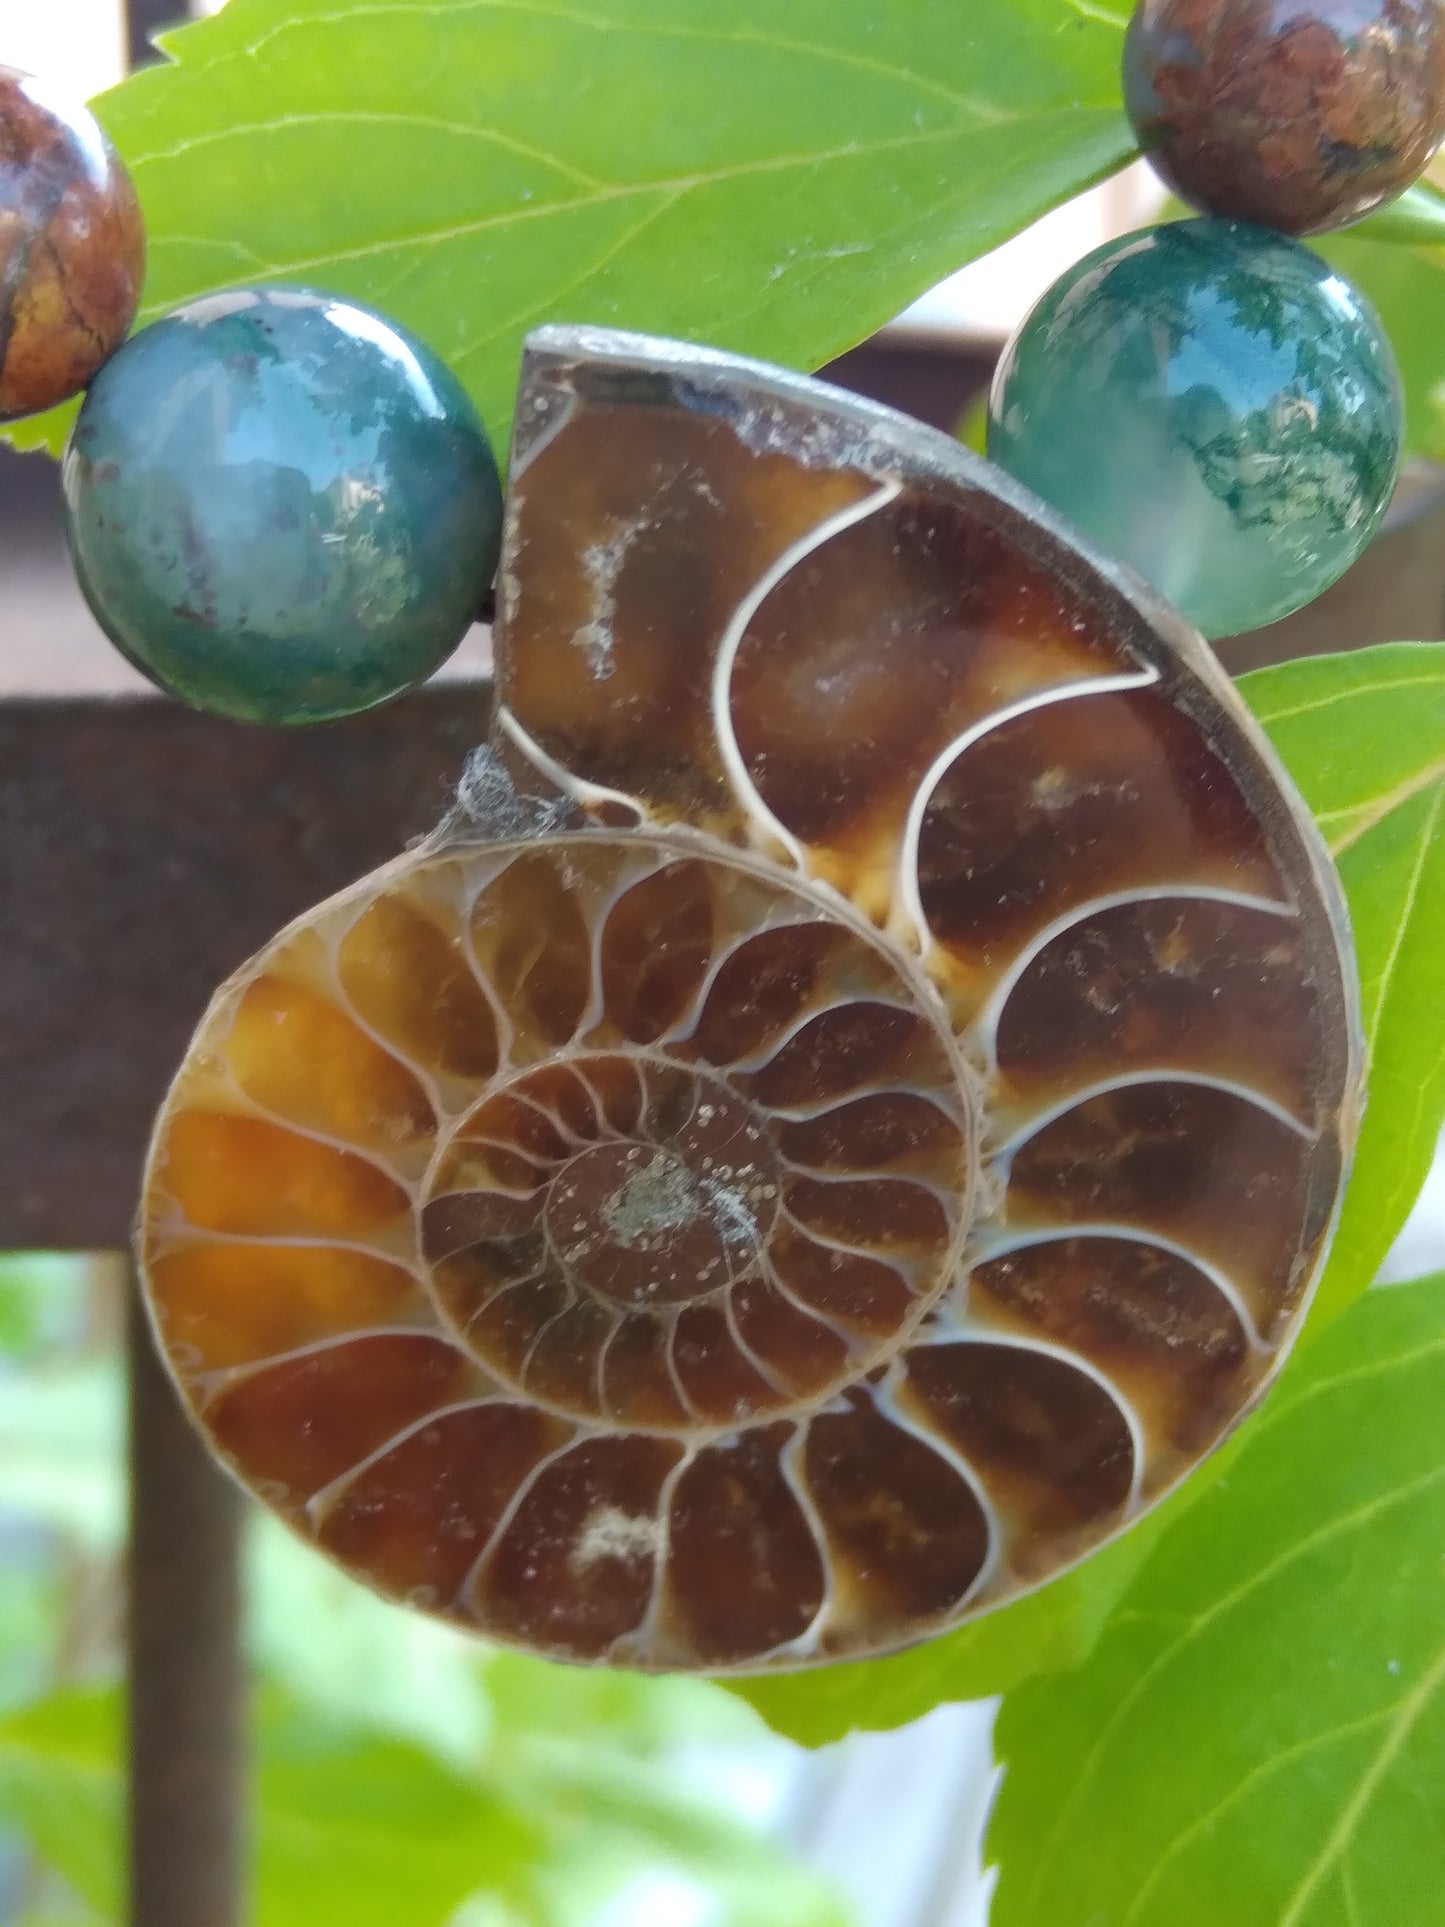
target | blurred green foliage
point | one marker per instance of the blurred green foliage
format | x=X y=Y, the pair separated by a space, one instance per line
x=406 y=1776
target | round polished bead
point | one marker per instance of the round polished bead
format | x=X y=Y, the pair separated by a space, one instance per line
x=72 y=247
x=1300 y=115
x=1215 y=406
x=282 y=507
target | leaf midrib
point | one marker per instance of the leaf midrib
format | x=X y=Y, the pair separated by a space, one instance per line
x=668 y=191
x=1369 y=814
x=594 y=22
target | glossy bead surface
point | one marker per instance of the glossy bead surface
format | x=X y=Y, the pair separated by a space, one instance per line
x=1301 y=115
x=282 y=508
x=1214 y=405
x=72 y=247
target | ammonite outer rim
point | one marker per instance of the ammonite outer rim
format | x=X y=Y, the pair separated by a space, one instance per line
x=882 y=443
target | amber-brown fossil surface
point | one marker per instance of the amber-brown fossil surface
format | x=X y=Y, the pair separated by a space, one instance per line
x=847 y=1111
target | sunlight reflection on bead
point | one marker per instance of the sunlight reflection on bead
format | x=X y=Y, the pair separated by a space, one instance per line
x=1214 y=405
x=282 y=508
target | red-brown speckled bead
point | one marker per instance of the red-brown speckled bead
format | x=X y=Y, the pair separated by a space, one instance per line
x=72 y=247
x=1301 y=115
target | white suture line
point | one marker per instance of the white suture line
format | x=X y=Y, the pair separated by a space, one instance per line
x=972 y=1335
x=325 y=1497
x=1003 y=1244
x=506 y=1029
x=180 y=1234
x=548 y=1116
x=850 y=1341
x=222 y=1378
x=1128 y=1080
x=945 y=1102
x=946 y=758
x=463 y=1596
x=640 y=1638
x=542 y=1330
x=599 y=911
x=942 y=1194
x=779 y=1041
x=577 y=787
x=688 y=1020
x=341 y=998
x=674 y=1375
x=604 y=1125
x=905 y=1268
x=984 y=1028
x=462 y=1145
x=548 y=435
x=744 y=788
x=599 y=1372
x=885 y=1399
x=806 y=1642
x=242 y=1105
x=764 y=1371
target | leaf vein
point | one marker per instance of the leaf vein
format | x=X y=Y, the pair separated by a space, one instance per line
x=1407 y=1712
x=560 y=293
x=670 y=30
x=1369 y=814
x=1380 y=984
x=676 y=189
x=1241 y=1789
x=1198 y=1625
x=1366 y=686
x=365 y=117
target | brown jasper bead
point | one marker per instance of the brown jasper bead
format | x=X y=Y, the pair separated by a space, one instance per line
x=1300 y=115
x=72 y=247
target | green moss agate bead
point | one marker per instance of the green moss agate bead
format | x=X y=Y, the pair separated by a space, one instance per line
x=1213 y=404
x=282 y=507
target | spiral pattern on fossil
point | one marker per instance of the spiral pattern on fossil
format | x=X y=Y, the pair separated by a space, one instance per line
x=856 y=1122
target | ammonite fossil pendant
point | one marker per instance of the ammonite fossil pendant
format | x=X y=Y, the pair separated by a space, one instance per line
x=846 y=1112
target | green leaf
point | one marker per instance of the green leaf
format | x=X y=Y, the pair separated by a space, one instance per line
x=372 y=1831
x=621 y=1769
x=42 y=1297
x=60 y=1787
x=1415 y=218
x=1259 y=1739
x=1407 y=286
x=609 y=1818
x=351 y=1826
x=779 y=181
x=1364 y=737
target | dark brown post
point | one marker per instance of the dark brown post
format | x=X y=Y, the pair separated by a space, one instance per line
x=146 y=17
x=187 y=1791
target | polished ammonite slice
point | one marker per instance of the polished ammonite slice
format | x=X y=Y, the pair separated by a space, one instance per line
x=843 y=1116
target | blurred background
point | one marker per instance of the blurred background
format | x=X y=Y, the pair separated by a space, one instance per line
x=397 y=1761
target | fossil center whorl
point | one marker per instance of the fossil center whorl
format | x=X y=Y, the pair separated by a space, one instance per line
x=669 y=1203
x=639 y=1227
x=743 y=1178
